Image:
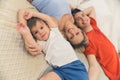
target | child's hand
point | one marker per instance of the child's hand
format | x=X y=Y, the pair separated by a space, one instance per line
x=34 y=50
x=22 y=28
x=27 y=15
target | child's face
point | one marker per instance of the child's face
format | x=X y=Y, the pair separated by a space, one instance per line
x=41 y=31
x=82 y=19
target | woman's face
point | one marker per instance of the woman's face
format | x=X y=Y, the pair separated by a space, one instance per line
x=41 y=31
x=74 y=34
x=82 y=20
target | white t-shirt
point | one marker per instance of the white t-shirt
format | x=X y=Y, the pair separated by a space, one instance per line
x=58 y=50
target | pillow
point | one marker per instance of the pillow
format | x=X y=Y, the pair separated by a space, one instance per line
x=76 y=3
x=15 y=62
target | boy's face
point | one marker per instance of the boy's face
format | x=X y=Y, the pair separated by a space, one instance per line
x=82 y=20
x=41 y=31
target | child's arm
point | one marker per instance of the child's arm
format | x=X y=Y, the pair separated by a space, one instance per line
x=44 y=17
x=21 y=18
x=51 y=21
x=93 y=70
x=30 y=43
x=90 y=11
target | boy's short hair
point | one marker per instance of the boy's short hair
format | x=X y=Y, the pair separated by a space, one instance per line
x=74 y=11
x=32 y=22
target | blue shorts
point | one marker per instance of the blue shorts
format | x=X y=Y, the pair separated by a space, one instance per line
x=72 y=71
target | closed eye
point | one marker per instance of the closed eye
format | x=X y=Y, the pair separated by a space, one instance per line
x=71 y=37
x=74 y=36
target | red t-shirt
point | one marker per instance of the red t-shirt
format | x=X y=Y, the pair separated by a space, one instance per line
x=104 y=51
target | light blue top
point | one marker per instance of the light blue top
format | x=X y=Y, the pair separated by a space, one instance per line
x=55 y=8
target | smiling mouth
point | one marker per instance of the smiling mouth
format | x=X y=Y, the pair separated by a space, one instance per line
x=85 y=22
x=43 y=35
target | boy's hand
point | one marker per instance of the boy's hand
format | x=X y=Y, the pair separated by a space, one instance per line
x=22 y=28
x=34 y=50
x=27 y=15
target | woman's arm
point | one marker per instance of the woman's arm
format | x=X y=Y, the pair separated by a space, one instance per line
x=93 y=70
x=63 y=21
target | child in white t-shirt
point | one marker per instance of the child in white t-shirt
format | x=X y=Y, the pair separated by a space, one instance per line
x=59 y=52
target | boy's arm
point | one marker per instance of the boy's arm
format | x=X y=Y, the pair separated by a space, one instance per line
x=51 y=21
x=32 y=47
x=93 y=70
x=21 y=18
x=46 y=18
x=30 y=43
x=90 y=11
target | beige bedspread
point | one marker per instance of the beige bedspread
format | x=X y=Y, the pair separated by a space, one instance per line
x=15 y=62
